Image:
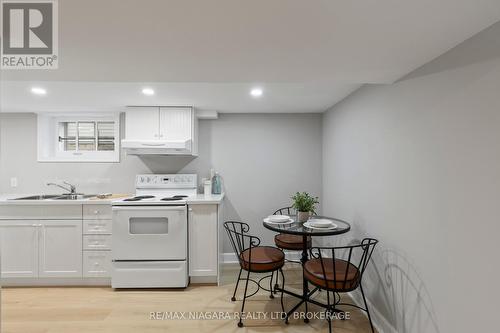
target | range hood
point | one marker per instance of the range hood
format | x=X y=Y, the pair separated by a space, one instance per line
x=160 y=130
x=157 y=147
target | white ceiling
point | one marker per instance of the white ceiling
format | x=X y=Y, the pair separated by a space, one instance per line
x=222 y=97
x=307 y=55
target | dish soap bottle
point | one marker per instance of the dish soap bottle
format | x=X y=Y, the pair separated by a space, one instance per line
x=216 y=184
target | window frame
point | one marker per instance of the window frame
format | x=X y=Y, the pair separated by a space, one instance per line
x=50 y=126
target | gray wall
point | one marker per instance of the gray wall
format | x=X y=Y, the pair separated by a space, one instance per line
x=416 y=164
x=263 y=159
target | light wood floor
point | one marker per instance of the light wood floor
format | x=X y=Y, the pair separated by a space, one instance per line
x=68 y=310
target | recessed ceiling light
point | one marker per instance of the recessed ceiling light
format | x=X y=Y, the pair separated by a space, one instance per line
x=38 y=91
x=148 y=91
x=256 y=92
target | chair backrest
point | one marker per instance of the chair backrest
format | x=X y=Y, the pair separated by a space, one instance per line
x=285 y=211
x=240 y=239
x=357 y=255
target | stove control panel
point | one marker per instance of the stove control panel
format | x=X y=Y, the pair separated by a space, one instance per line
x=166 y=181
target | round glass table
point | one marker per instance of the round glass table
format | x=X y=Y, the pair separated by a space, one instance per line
x=298 y=228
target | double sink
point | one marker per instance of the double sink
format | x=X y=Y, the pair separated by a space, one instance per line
x=78 y=196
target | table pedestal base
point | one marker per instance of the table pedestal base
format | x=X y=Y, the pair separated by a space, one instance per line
x=306 y=299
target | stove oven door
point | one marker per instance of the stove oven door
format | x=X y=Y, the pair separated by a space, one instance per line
x=149 y=233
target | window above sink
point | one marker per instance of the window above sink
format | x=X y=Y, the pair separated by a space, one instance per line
x=78 y=137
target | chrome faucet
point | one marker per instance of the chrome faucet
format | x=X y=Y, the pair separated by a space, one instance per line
x=71 y=188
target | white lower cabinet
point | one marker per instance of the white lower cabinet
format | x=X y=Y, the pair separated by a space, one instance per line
x=203 y=238
x=19 y=248
x=96 y=263
x=60 y=248
x=75 y=244
x=55 y=244
x=35 y=248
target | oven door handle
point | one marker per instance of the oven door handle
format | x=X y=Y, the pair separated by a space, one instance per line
x=150 y=208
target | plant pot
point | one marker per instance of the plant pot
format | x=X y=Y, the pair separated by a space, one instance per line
x=303 y=216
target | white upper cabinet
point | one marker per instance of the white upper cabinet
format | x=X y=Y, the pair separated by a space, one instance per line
x=160 y=130
x=176 y=124
x=141 y=123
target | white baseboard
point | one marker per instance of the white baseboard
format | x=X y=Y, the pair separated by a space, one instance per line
x=55 y=282
x=230 y=258
x=380 y=323
x=203 y=279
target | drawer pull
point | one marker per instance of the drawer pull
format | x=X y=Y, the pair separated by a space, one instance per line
x=92 y=242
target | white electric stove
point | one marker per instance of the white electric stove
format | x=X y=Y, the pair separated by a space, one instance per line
x=149 y=242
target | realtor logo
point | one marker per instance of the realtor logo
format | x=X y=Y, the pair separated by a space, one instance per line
x=29 y=34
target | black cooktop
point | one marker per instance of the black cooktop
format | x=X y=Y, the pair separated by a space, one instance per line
x=174 y=198
x=139 y=198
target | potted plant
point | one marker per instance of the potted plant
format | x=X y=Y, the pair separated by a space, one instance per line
x=304 y=204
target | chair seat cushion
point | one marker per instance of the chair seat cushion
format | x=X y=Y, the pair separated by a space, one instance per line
x=291 y=242
x=313 y=272
x=264 y=259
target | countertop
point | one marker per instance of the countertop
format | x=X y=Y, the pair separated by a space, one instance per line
x=6 y=199
x=201 y=199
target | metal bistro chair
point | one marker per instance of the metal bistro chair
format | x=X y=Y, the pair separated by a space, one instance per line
x=287 y=241
x=339 y=269
x=253 y=258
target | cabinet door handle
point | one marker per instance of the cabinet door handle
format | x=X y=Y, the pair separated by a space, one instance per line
x=152 y=144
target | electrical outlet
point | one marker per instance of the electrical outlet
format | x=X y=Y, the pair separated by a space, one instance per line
x=13 y=182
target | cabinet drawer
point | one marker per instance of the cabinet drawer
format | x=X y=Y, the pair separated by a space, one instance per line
x=96 y=263
x=97 y=242
x=97 y=212
x=41 y=212
x=96 y=227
